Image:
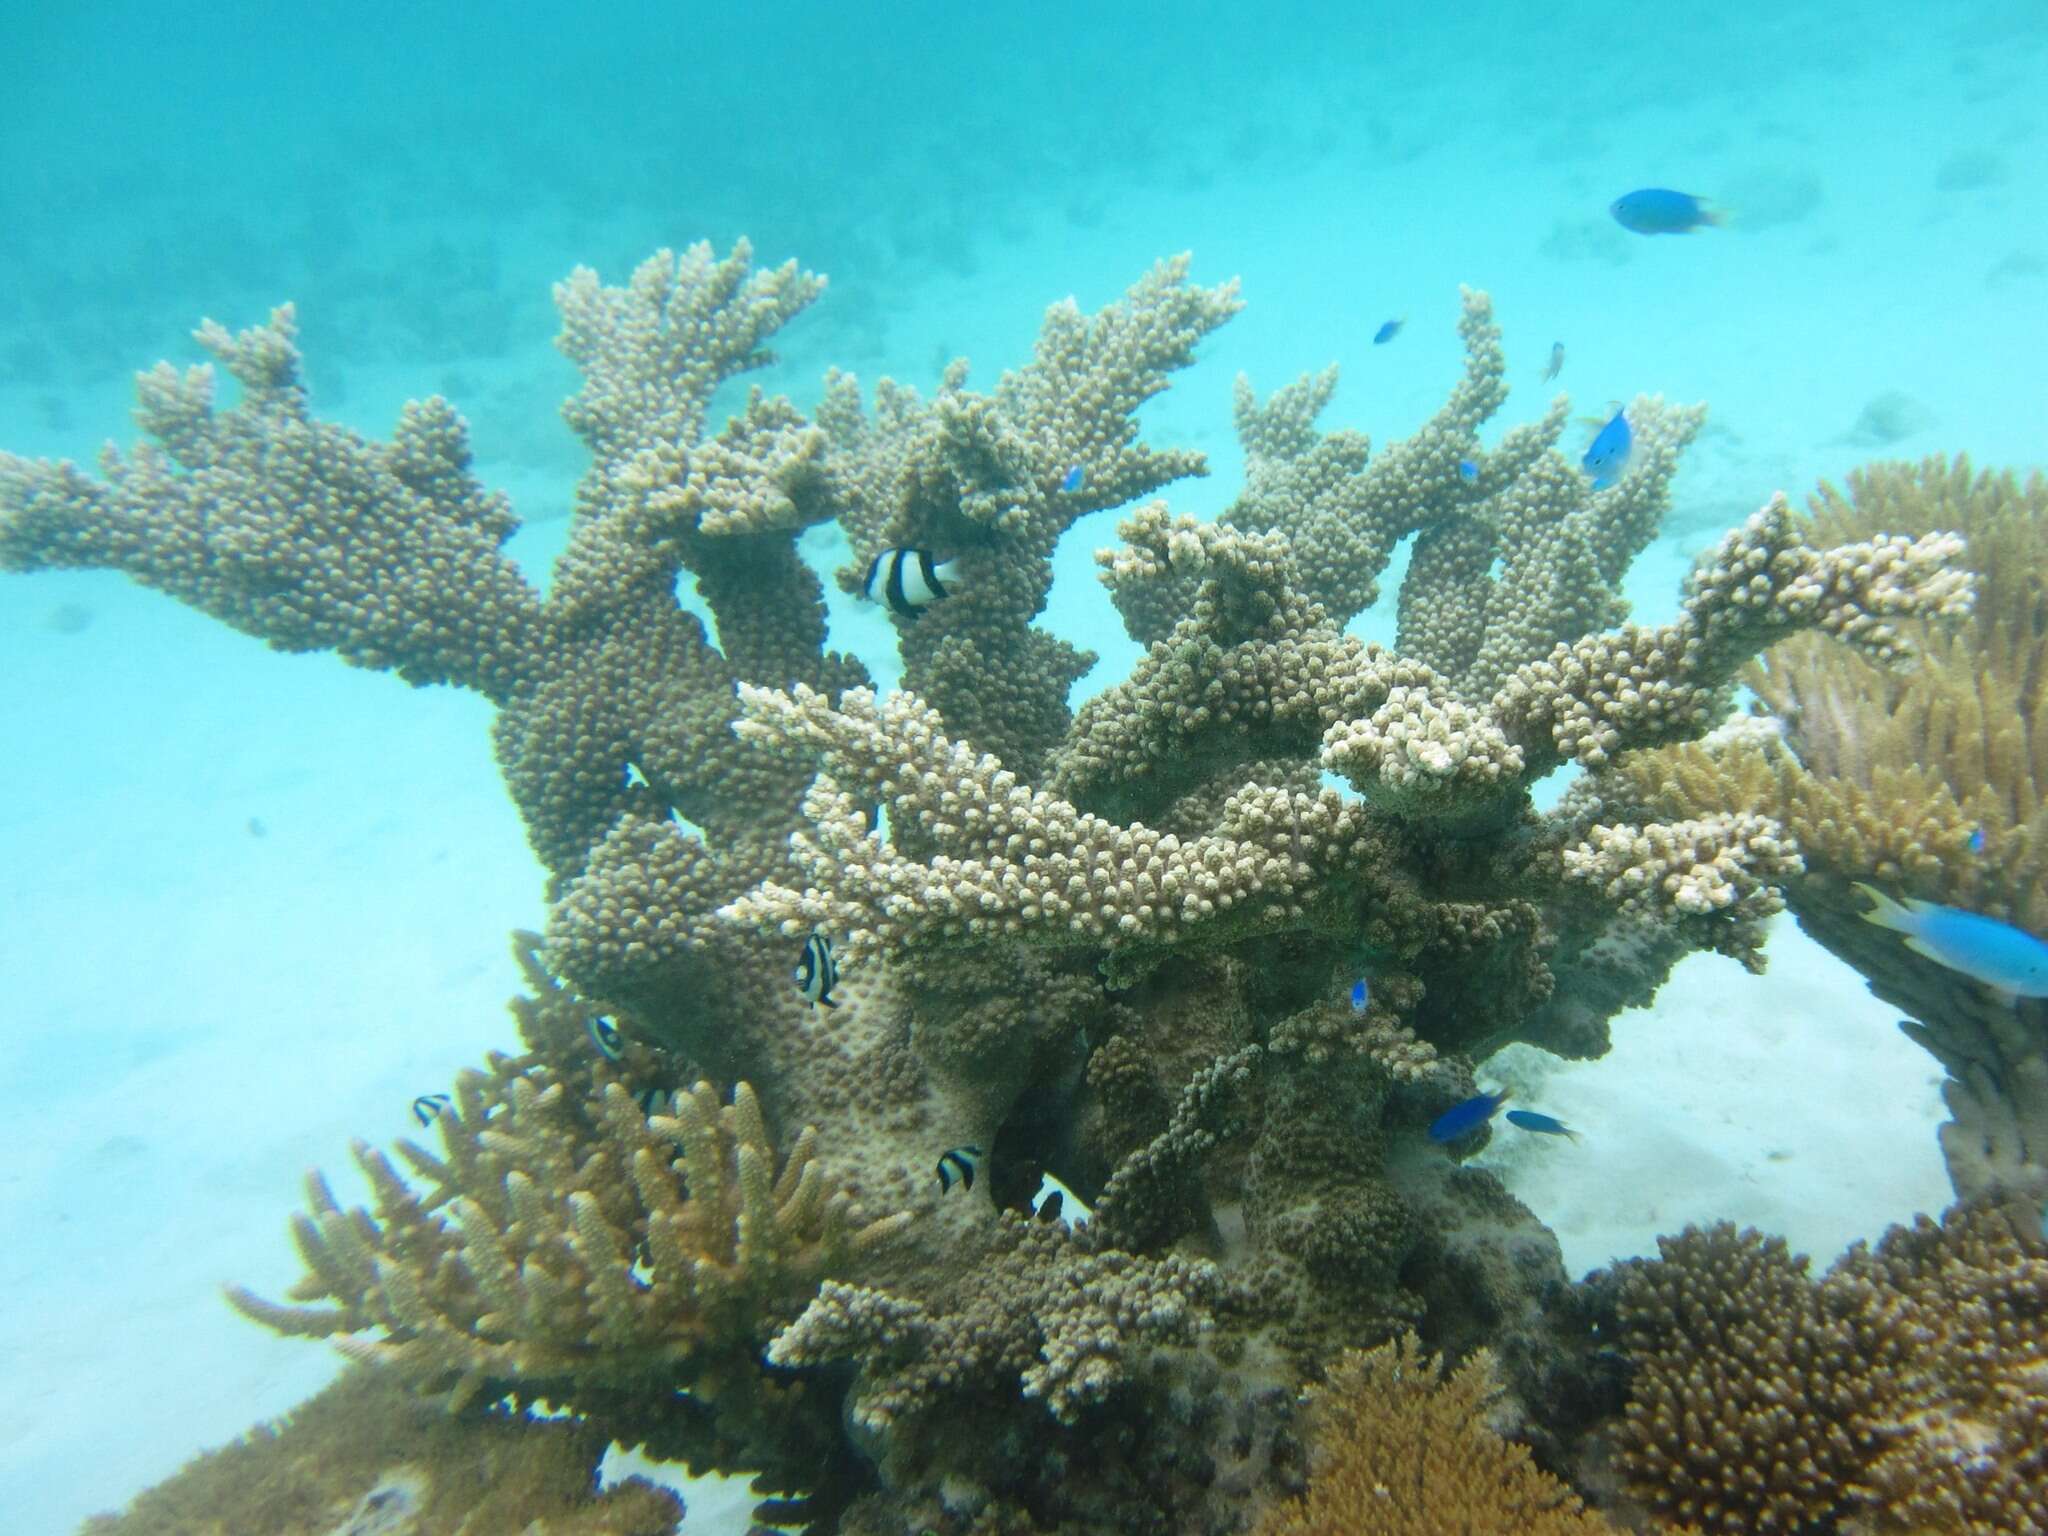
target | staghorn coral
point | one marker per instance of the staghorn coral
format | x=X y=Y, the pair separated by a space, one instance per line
x=1901 y=1393
x=1114 y=947
x=1669 y=871
x=365 y=1457
x=1399 y=1449
x=1890 y=776
x=1046 y=1310
x=984 y=477
x=575 y=1249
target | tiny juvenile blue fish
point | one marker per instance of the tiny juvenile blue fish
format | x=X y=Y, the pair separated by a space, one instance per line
x=1608 y=455
x=2008 y=960
x=428 y=1105
x=1977 y=840
x=611 y=1045
x=1544 y=1125
x=1361 y=996
x=1387 y=332
x=1661 y=211
x=1556 y=364
x=1468 y=470
x=1074 y=479
x=1463 y=1119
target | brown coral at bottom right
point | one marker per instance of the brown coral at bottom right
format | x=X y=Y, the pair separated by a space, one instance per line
x=1905 y=1392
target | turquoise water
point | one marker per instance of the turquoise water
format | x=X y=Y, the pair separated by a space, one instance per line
x=255 y=902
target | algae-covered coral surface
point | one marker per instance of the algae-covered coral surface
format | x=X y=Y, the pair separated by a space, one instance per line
x=693 y=1206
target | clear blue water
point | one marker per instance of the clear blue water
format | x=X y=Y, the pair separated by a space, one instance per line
x=251 y=899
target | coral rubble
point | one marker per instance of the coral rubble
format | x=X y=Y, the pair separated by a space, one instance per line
x=1115 y=946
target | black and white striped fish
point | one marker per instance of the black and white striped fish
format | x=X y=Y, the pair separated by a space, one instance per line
x=817 y=973
x=428 y=1105
x=909 y=580
x=652 y=1101
x=611 y=1045
x=960 y=1163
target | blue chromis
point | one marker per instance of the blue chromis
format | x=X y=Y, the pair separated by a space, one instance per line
x=1661 y=211
x=1468 y=470
x=2008 y=960
x=1463 y=1119
x=1074 y=479
x=1556 y=364
x=1977 y=840
x=1361 y=996
x=1387 y=332
x=1543 y=1125
x=1608 y=455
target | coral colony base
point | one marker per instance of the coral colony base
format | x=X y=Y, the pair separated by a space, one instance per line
x=697 y=1212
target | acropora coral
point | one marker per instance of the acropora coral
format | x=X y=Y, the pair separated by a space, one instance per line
x=1115 y=945
x=1399 y=1449
x=1902 y=1393
x=1924 y=782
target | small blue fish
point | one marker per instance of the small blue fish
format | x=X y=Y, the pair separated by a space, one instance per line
x=817 y=973
x=1660 y=211
x=1556 y=362
x=1361 y=996
x=1387 y=332
x=1977 y=840
x=1463 y=1119
x=611 y=1045
x=2008 y=960
x=1543 y=1125
x=427 y=1106
x=1468 y=470
x=1074 y=479
x=957 y=1162
x=1608 y=455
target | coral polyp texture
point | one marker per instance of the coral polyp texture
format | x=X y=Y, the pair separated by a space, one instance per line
x=1899 y=1393
x=1117 y=946
x=1923 y=782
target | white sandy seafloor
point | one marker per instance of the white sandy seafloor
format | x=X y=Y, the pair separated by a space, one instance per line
x=254 y=904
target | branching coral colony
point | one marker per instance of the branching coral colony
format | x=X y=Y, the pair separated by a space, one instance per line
x=1117 y=945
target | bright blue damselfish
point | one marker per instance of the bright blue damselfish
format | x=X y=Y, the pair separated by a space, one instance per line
x=1661 y=211
x=1463 y=1119
x=2009 y=960
x=1074 y=478
x=1387 y=332
x=1468 y=470
x=1608 y=455
x=1361 y=995
x=1543 y=1125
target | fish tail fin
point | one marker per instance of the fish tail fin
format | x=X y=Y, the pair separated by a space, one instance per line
x=1709 y=214
x=1885 y=912
x=949 y=572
